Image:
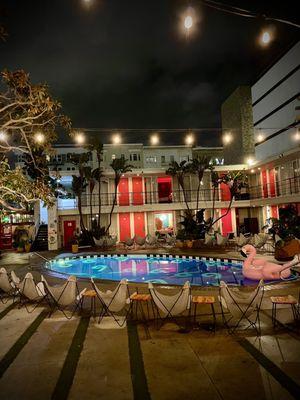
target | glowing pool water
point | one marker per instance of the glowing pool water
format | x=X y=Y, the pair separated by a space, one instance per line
x=157 y=269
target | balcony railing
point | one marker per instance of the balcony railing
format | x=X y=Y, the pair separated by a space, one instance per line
x=286 y=187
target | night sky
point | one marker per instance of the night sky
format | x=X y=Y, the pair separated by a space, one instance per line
x=127 y=63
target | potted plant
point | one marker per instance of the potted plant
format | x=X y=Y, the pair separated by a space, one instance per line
x=27 y=245
x=20 y=247
x=75 y=245
x=287 y=230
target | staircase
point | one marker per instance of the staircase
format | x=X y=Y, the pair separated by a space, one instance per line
x=41 y=239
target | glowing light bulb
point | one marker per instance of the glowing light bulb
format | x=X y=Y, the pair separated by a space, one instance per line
x=188 y=22
x=3 y=136
x=116 y=139
x=250 y=161
x=79 y=138
x=39 y=137
x=154 y=140
x=227 y=138
x=189 y=139
x=260 y=138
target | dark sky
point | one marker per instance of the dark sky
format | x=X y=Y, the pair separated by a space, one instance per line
x=126 y=63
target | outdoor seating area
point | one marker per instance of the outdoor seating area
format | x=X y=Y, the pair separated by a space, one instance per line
x=234 y=305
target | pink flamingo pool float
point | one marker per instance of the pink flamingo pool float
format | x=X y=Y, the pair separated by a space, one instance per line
x=261 y=268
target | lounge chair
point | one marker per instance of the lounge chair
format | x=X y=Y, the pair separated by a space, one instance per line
x=128 y=243
x=30 y=291
x=140 y=241
x=113 y=302
x=260 y=240
x=170 y=241
x=171 y=306
x=221 y=240
x=242 y=240
x=99 y=242
x=241 y=306
x=64 y=296
x=7 y=287
x=151 y=241
x=111 y=242
x=209 y=240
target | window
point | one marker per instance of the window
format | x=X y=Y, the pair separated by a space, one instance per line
x=163 y=159
x=123 y=156
x=113 y=156
x=172 y=158
x=134 y=157
x=151 y=159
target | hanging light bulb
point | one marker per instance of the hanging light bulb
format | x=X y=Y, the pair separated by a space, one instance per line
x=188 y=22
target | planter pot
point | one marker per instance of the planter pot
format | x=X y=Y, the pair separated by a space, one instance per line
x=74 y=248
x=27 y=247
x=287 y=251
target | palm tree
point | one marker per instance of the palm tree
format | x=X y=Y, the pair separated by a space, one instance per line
x=97 y=174
x=197 y=167
x=79 y=183
x=180 y=171
x=120 y=167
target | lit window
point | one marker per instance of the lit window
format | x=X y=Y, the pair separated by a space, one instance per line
x=113 y=156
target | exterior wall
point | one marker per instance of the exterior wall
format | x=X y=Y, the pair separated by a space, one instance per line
x=275 y=97
x=237 y=121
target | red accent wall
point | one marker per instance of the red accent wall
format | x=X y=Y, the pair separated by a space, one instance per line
x=137 y=190
x=272 y=189
x=226 y=222
x=69 y=228
x=274 y=211
x=164 y=187
x=139 y=224
x=123 y=192
x=124 y=226
x=264 y=182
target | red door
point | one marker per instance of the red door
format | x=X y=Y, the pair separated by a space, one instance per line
x=124 y=226
x=69 y=229
x=264 y=182
x=272 y=182
x=123 y=192
x=139 y=224
x=137 y=190
x=226 y=222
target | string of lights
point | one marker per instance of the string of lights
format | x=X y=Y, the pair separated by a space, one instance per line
x=227 y=8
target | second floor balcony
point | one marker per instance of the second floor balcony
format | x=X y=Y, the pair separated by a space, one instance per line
x=280 y=190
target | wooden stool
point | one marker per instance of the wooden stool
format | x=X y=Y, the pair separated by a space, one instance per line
x=204 y=300
x=92 y=295
x=287 y=300
x=138 y=300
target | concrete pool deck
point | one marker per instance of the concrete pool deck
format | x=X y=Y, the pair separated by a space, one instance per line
x=44 y=358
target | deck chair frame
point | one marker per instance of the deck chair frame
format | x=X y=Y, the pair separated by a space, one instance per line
x=54 y=303
x=252 y=324
x=105 y=311
x=168 y=315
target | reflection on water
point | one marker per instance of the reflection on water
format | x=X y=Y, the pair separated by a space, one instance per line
x=147 y=269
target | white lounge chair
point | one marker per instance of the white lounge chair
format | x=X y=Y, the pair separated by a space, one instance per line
x=140 y=241
x=30 y=291
x=99 y=242
x=260 y=240
x=221 y=240
x=241 y=306
x=209 y=239
x=242 y=240
x=170 y=240
x=151 y=241
x=64 y=296
x=129 y=243
x=113 y=301
x=7 y=287
x=171 y=305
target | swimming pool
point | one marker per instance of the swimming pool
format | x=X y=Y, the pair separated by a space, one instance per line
x=172 y=270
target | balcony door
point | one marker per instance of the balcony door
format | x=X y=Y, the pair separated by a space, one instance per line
x=139 y=224
x=137 y=190
x=123 y=189
x=164 y=188
x=124 y=226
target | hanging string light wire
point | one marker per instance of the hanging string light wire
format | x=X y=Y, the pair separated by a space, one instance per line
x=244 y=13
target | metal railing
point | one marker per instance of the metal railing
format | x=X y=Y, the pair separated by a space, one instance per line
x=286 y=187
